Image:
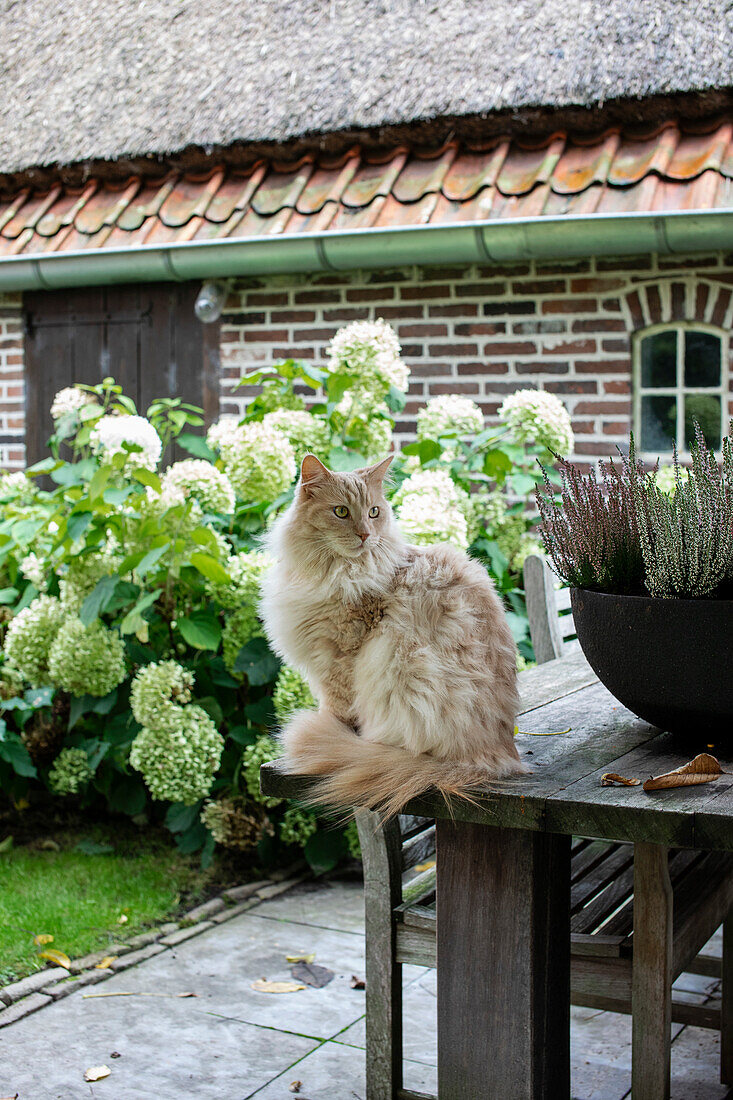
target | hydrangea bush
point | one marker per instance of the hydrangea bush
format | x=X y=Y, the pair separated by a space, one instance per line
x=135 y=674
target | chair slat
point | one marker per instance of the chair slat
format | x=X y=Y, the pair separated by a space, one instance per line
x=418 y=848
x=618 y=859
x=562 y=599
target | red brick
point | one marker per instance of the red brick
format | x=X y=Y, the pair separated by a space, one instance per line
x=269 y=299
x=572 y=386
x=364 y=294
x=698 y=261
x=617 y=386
x=611 y=305
x=316 y=297
x=480 y=328
x=615 y=345
x=590 y=448
x=510 y=347
x=531 y=328
x=406 y=427
x=454 y=387
x=567 y=267
x=307 y=334
x=394 y=276
x=422 y=330
x=264 y=335
x=432 y=273
x=616 y=427
x=508 y=270
x=654 y=302
x=327 y=280
x=354 y=314
x=571 y=347
x=495 y=309
x=413 y=350
x=400 y=313
x=443 y=350
x=430 y=370
x=460 y=309
x=492 y=367
x=630 y=263
x=602 y=366
x=605 y=408
x=599 y=324
x=293 y=353
x=590 y=285
x=570 y=305
x=539 y=286
x=584 y=427
x=413 y=293
x=480 y=290
x=249 y=318
x=542 y=366
x=292 y=316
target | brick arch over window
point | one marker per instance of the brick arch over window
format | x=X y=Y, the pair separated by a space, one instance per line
x=662 y=301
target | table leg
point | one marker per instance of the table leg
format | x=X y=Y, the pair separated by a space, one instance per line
x=503 y=899
x=651 y=976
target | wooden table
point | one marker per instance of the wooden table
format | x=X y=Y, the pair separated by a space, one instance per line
x=504 y=874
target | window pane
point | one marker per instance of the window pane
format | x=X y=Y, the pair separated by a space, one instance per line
x=702 y=359
x=705 y=409
x=659 y=359
x=658 y=423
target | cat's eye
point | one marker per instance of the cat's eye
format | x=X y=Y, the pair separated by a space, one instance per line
x=341 y=511
x=373 y=512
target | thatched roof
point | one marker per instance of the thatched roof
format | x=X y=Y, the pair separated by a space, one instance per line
x=111 y=79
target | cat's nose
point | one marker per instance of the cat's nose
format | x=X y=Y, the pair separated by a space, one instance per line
x=363 y=535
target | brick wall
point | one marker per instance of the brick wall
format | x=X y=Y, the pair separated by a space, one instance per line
x=12 y=389
x=478 y=330
x=486 y=331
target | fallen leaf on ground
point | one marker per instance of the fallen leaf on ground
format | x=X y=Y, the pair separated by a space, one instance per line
x=55 y=956
x=97 y=1073
x=295 y=1086
x=106 y=962
x=613 y=779
x=425 y=866
x=312 y=974
x=131 y=993
x=263 y=986
x=533 y=733
x=357 y=983
x=300 y=958
x=13 y=1097
x=43 y=938
x=115 y=1054
x=703 y=769
x=49 y=845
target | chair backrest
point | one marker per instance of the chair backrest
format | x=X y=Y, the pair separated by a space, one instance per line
x=551 y=623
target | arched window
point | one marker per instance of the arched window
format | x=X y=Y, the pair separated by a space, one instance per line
x=680 y=376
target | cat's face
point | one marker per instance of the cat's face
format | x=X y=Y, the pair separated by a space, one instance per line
x=345 y=513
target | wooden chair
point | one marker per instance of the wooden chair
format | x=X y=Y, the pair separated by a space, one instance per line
x=685 y=895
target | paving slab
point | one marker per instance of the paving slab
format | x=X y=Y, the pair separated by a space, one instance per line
x=332 y=904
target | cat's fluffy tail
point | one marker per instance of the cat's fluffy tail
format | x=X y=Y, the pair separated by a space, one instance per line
x=368 y=774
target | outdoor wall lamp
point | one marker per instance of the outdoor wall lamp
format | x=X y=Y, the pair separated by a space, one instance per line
x=210 y=299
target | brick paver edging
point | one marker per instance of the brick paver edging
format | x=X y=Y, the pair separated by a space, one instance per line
x=46 y=986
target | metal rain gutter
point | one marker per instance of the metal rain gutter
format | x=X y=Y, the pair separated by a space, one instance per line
x=488 y=242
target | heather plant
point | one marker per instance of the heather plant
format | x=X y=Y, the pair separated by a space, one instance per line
x=636 y=533
x=134 y=674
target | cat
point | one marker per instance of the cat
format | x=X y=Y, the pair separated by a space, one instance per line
x=406 y=649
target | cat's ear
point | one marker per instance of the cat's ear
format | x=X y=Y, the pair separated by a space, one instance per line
x=376 y=474
x=312 y=472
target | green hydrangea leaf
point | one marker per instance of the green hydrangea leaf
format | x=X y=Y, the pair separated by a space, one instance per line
x=8 y=595
x=15 y=753
x=201 y=630
x=324 y=849
x=147 y=477
x=179 y=817
x=97 y=600
x=210 y=568
x=133 y=620
x=426 y=450
x=77 y=524
x=257 y=661
x=196 y=446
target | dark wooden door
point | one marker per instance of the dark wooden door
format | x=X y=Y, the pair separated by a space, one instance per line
x=145 y=336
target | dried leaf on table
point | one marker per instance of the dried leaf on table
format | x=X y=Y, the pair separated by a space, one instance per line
x=425 y=866
x=97 y=1073
x=613 y=779
x=43 y=938
x=357 y=983
x=300 y=958
x=263 y=986
x=703 y=769
x=55 y=956
x=312 y=974
x=106 y=962
x=295 y=1086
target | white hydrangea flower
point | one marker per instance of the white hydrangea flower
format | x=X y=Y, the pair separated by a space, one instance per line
x=70 y=400
x=432 y=508
x=222 y=432
x=451 y=413
x=370 y=429
x=179 y=756
x=84 y=571
x=246 y=570
x=15 y=483
x=369 y=351
x=110 y=433
x=196 y=478
x=156 y=688
x=535 y=416
x=34 y=570
x=70 y=772
x=86 y=660
x=306 y=432
x=258 y=460
x=666 y=481
x=29 y=638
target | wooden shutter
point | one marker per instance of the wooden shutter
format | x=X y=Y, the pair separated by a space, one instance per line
x=146 y=336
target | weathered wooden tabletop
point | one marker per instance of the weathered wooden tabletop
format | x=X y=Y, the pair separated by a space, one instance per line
x=563 y=793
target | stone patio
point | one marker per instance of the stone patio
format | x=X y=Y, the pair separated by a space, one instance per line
x=230 y=1042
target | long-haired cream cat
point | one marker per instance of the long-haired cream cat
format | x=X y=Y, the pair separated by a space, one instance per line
x=406 y=649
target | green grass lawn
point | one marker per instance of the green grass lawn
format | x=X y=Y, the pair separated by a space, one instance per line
x=87 y=901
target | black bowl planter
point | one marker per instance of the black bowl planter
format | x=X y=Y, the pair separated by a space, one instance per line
x=669 y=661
